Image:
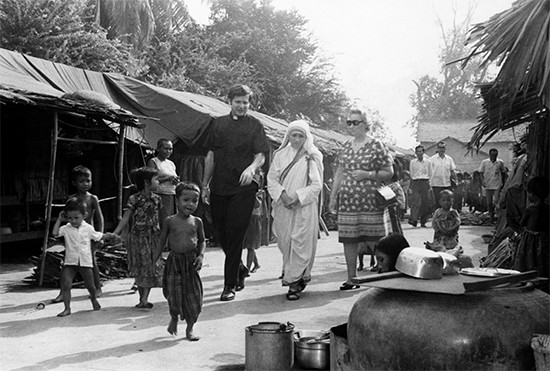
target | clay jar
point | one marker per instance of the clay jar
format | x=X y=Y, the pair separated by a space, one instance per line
x=485 y=330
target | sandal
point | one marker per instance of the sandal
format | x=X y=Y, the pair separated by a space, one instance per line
x=292 y=295
x=301 y=286
x=347 y=286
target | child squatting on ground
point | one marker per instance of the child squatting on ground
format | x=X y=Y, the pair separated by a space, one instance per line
x=78 y=250
x=181 y=284
x=446 y=222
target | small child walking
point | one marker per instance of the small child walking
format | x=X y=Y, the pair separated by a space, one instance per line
x=532 y=250
x=78 y=250
x=144 y=233
x=82 y=180
x=181 y=284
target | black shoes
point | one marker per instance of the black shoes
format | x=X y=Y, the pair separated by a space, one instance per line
x=228 y=294
x=412 y=223
x=243 y=273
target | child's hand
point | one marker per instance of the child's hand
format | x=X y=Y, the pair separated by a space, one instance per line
x=198 y=262
x=62 y=216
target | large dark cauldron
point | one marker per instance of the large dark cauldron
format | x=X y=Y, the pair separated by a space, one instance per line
x=485 y=330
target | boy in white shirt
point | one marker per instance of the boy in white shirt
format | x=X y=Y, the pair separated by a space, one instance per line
x=78 y=251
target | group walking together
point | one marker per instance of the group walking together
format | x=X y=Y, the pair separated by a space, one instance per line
x=159 y=216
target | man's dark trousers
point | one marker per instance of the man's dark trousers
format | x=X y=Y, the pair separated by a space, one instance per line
x=230 y=216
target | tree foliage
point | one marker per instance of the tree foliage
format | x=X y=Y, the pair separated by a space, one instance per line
x=454 y=96
x=62 y=31
x=246 y=41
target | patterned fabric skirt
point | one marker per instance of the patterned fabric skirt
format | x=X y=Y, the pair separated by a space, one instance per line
x=140 y=259
x=532 y=253
x=253 y=236
x=182 y=286
x=362 y=226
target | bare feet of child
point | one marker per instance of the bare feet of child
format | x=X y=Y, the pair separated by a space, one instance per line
x=189 y=334
x=66 y=312
x=173 y=327
x=145 y=305
x=58 y=299
x=255 y=269
x=95 y=304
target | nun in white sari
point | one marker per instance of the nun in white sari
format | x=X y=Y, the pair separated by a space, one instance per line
x=294 y=182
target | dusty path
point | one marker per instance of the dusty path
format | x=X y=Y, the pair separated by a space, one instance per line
x=121 y=337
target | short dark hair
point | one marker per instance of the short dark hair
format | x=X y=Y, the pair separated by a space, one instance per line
x=79 y=171
x=538 y=186
x=75 y=204
x=418 y=147
x=187 y=186
x=139 y=176
x=239 y=90
x=442 y=143
x=446 y=192
x=493 y=150
x=161 y=141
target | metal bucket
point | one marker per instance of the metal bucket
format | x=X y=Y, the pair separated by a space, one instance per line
x=269 y=346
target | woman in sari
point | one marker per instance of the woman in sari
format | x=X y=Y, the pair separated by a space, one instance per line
x=294 y=182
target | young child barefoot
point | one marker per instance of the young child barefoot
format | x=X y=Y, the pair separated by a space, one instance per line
x=182 y=285
x=78 y=252
x=82 y=180
x=143 y=207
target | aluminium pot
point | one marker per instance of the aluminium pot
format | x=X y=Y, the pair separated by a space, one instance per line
x=269 y=346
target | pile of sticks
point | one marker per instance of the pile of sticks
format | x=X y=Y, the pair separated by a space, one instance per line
x=111 y=261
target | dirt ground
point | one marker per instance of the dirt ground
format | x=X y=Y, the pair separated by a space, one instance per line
x=121 y=337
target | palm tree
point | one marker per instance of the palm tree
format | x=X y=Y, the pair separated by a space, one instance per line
x=138 y=21
x=518 y=39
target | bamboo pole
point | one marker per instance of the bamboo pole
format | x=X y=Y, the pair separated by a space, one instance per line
x=86 y=141
x=49 y=196
x=121 y=150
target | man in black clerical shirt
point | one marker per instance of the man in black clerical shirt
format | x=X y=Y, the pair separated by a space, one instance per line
x=236 y=146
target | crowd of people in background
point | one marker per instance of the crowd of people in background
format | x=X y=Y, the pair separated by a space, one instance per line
x=159 y=215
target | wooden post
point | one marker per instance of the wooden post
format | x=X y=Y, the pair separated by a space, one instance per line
x=49 y=197
x=121 y=151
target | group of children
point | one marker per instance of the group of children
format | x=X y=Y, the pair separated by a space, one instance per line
x=182 y=232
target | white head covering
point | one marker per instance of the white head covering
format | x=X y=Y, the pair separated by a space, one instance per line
x=309 y=147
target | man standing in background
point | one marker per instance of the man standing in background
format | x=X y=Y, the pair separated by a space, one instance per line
x=492 y=171
x=421 y=172
x=443 y=171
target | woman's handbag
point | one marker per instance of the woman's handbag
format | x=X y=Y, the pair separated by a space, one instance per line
x=385 y=196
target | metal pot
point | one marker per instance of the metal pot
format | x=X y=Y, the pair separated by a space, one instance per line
x=420 y=263
x=312 y=353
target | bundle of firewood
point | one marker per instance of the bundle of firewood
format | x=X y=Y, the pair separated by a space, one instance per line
x=111 y=261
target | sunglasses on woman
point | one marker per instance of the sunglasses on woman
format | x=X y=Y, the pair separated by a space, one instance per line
x=354 y=122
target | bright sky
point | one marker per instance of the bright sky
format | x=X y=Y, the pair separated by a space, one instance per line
x=379 y=46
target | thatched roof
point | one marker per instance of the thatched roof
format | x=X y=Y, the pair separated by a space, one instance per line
x=518 y=40
x=68 y=105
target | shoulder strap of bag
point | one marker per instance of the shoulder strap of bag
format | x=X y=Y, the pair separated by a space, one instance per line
x=297 y=157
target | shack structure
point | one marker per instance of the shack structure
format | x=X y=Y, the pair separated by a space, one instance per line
x=457 y=133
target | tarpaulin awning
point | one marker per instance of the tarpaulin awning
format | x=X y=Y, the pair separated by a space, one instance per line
x=181 y=115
